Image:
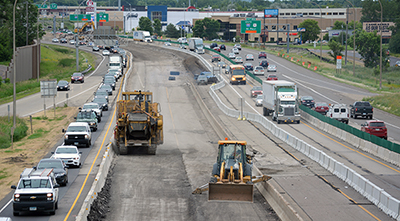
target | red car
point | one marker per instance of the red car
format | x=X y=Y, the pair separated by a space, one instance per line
x=256 y=90
x=262 y=55
x=217 y=49
x=77 y=77
x=321 y=107
x=375 y=127
x=272 y=77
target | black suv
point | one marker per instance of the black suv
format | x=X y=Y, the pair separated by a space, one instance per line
x=264 y=63
x=59 y=168
x=213 y=45
x=222 y=47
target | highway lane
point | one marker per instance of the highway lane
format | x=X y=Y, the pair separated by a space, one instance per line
x=299 y=179
x=379 y=172
x=159 y=187
x=76 y=175
x=324 y=89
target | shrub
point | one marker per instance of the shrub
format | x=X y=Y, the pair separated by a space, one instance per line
x=63 y=50
x=66 y=62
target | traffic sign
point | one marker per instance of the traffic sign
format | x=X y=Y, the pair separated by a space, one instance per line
x=53 y=6
x=250 y=27
x=79 y=17
x=102 y=17
x=301 y=29
x=338 y=62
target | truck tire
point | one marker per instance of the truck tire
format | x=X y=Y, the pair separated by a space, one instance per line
x=122 y=149
x=151 y=150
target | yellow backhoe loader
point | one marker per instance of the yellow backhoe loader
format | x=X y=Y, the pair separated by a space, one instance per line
x=232 y=177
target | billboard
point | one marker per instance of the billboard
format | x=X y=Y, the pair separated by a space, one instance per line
x=271 y=13
x=375 y=26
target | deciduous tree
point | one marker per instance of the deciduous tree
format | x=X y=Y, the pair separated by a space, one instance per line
x=312 y=29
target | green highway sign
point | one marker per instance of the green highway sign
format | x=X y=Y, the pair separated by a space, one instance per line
x=53 y=6
x=102 y=17
x=250 y=26
x=80 y=17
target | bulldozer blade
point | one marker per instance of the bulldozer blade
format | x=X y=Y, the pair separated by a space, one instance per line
x=230 y=192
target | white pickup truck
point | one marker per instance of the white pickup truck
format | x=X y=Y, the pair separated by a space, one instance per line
x=339 y=112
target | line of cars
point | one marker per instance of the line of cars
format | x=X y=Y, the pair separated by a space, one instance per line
x=38 y=187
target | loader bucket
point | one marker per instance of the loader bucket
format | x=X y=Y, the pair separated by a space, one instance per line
x=230 y=192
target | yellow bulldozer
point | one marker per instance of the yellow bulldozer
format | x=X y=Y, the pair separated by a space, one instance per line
x=139 y=123
x=231 y=177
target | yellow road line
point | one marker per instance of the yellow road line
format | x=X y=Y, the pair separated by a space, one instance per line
x=354 y=149
x=95 y=159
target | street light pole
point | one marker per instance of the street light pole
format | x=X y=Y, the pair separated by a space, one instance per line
x=354 y=40
x=320 y=43
x=15 y=73
x=380 y=59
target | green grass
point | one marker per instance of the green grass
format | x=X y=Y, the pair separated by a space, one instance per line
x=38 y=133
x=3 y=174
x=5 y=131
x=57 y=63
x=6 y=63
x=13 y=151
x=387 y=102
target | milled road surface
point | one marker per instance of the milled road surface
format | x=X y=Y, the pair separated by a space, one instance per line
x=159 y=187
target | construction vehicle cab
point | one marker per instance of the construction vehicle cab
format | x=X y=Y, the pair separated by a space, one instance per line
x=231 y=177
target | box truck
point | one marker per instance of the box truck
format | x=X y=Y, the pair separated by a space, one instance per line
x=280 y=98
x=142 y=36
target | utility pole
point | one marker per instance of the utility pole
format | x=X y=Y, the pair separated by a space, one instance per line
x=347 y=31
x=27 y=24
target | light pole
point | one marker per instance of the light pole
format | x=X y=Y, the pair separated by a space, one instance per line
x=354 y=40
x=130 y=15
x=320 y=43
x=380 y=59
x=15 y=74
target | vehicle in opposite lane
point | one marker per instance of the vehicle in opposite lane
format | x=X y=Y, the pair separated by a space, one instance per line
x=63 y=85
x=77 y=77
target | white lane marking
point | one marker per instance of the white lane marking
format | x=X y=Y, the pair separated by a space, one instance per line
x=5 y=206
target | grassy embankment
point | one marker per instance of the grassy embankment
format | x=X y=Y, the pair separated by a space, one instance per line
x=57 y=63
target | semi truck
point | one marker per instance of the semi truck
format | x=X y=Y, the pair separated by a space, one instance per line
x=142 y=36
x=196 y=45
x=280 y=98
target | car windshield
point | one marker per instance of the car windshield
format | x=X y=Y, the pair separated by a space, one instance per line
x=259 y=68
x=109 y=81
x=288 y=102
x=115 y=64
x=64 y=150
x=90 y=106
x=48 y=164
x=102 y=93
x=272 y=76
x=84 y=115
x=77 y=74
x=62 y=83
x=307 y=98
x=76 y=129
x=34 y=183
x=259 y=96
x=231 y=152
x=99 y=100
x=377 y=124
x=238 y=72
x=257 y=88
x=321 y=104
x=112 y=71
x=271 y=66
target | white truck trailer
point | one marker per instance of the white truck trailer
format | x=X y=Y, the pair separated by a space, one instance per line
x=142 y=36
x=196 y=45
x=280 y=98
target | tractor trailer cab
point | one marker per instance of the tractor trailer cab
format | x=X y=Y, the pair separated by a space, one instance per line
x=280 y=98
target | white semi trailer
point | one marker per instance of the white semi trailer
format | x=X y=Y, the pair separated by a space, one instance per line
x=196 y=45
x=280 y=98
x=142 y=36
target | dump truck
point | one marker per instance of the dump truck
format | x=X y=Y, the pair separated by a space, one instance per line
x=231 y=177
x=139 y=123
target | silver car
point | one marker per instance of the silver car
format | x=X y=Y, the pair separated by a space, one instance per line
x=239 y=60
x=258 y=70
x=249 y=57
x=235 y=50
x=69 y=155
x=232 y=55
x=259 y=100
x=271 y=68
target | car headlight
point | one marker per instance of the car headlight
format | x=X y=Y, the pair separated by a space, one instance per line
x=233 y=78
x=49 y=196
x=92 y=123
x=86 y=136
x=66 y=137
x=244 y=78
x=16 y=197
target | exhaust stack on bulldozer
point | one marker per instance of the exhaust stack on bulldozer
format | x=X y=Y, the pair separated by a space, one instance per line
x=232 y=178
x=139 y=122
